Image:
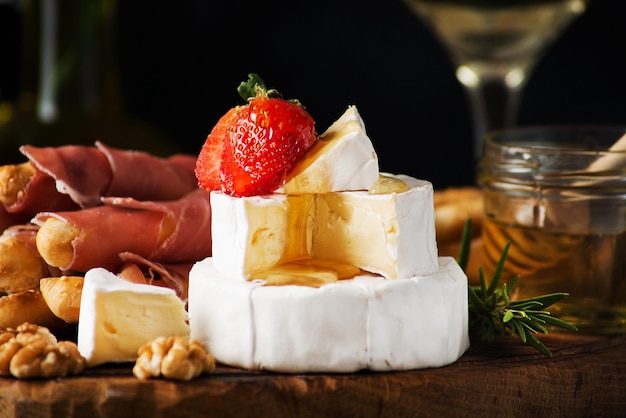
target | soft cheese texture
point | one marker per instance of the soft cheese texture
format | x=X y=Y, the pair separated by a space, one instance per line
x=342 y=159
x=389 y=234
x=363 y=323
x=117 y=317
x=256 y=233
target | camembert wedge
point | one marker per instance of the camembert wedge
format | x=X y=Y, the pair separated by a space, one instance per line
x=117 y=317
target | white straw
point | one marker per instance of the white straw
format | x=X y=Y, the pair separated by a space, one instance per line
x=611 y=161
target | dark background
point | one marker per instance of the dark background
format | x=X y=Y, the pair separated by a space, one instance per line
x=180 y=63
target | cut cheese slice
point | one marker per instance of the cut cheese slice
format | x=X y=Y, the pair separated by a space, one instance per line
x=363 y=323
x=390 y=234
x=256 y=233
x=117 y=317
x=342 y=159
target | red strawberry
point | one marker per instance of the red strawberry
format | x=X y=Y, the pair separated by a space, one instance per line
x=208 y=163
x=253 y=147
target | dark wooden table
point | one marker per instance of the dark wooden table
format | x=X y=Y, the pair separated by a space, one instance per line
x=586 y=377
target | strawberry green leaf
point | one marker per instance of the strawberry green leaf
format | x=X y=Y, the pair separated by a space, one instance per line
x=251 y=88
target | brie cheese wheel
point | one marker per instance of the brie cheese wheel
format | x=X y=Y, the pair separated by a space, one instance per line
x=368 y=322
x=117 y=317
x=342 y=159
x=389 y=234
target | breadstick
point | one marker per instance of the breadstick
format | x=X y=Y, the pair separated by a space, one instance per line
x=13 y=180
x=169 y=232
x=54 y=242
x=62 y=295
x=94 y=237
x=26 y=191
x=20 y=266
x=27 y=306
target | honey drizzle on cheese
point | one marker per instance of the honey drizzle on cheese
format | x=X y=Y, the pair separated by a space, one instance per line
x=307 y=272
x=386 y=185
x=296 y=266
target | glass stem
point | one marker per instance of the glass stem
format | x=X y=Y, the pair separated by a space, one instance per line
x=494 y=105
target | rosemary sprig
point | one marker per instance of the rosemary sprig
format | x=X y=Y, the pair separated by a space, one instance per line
x=491 y=311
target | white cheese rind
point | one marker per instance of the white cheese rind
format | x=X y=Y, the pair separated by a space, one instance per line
x=117 y=317
x=342 y=159
x=388 y=234
x=364 y=323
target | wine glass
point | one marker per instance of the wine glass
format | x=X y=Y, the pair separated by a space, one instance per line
x=494 y=45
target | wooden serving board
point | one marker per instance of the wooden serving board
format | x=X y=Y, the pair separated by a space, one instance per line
x=585 y=377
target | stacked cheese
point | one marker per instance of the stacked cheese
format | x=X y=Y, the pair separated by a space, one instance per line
x=399 y=307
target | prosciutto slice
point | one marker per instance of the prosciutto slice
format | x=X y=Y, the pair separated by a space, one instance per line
x=39 y=195
x=145 y=177
x=8 y=219
x=79 y=171
x=137 y=269
x=192 y=233
x=86 y=174
x=176 y=231
x=25 y=233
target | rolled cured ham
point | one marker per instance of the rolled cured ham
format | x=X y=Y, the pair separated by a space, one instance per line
x=176 y=231
x=8 y=219
x=135 y=214
x=137 y=269
x=86 y=174
x=25 y=191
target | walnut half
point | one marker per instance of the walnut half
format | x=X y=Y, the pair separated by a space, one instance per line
x=32 y=351
x=176 y=358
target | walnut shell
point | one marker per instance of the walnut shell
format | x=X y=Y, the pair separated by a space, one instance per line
x=176 y=358
x=32 y=351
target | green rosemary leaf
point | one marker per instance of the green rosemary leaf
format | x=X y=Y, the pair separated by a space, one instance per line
x=494 y=303
x=538 y=345
x=538 y=301
x=505 y=296
x=559 y=323
x=508 y=315
x=519 y=328
x=525 y=304
x=474 y=300
x=483 y=281
x=499 y=269
x=533 y=325
x=550 y=299
x=514 y=283
x=536 y=313
x=518 y=313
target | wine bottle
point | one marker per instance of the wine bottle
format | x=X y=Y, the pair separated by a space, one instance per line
x=69 y=86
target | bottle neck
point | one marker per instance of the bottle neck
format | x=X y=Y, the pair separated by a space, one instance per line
x=69 y=90
x=68 y=63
